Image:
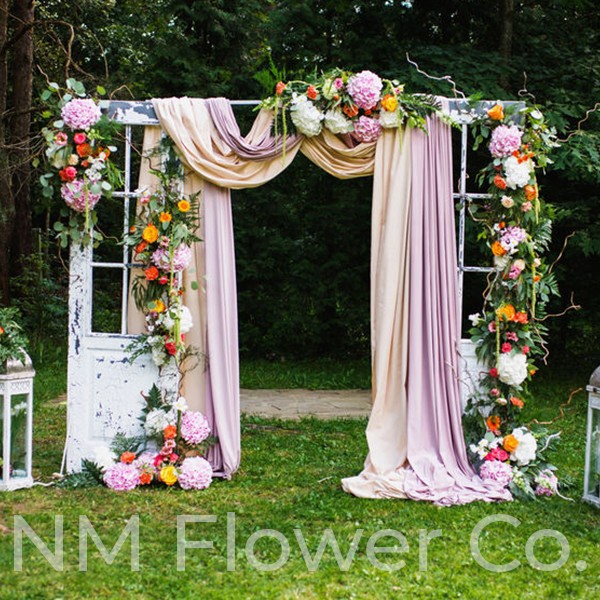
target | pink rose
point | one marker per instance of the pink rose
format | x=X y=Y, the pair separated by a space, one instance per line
x=506 y=347
x=525 y=349
x=79 y=138
x=492 y=326
x=61 y=138
x=526 y=206
x=494 y=392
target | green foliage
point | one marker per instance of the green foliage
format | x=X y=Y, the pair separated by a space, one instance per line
x=90 y=476
x=13 y=342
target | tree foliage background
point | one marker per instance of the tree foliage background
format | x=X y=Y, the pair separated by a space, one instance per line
x=303 y=240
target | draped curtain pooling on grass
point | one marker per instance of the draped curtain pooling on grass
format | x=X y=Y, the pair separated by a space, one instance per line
x=412 y=378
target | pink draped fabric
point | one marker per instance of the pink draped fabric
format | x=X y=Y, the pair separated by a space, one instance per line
x=439 y=468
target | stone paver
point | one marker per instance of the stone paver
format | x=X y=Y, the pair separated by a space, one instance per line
x=295 y=404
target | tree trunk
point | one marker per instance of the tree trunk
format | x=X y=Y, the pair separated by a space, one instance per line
x=6 y=201
x=22 y=82
x=506 y=36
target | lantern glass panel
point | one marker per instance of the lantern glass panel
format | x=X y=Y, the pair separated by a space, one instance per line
x=1 y=437
x=18 y=436
x=594 y=466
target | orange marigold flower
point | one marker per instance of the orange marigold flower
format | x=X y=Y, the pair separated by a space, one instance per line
x=493 y=423
x=311 y=92
x=170 y=431
x=127 y=457
x=183 y=205
x=389 y=102
x=507 y=311
x=497 y=249
x=536 y=278
x=132 y=229
x=151 y=273
x=499 y=182
x=530 y=192
x=165 y=217
x=496 y=113
x=517 y=402
x=350 y=110
x=510 y=443
x=1 y=330
x=279 y=88
x=150 y=234
x=145 y=478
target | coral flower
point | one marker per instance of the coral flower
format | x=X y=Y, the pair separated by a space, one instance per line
x=1 y=330
x=183 y=206
x=311 y=92
x=141 y=247
x=496 y=113
x=510 y=443
x=530 y=192
x=500 y=182
x=517 y=402
x=151 y=273
x=170 y=431
x=521 y=317
x=498 y=249
x=165 y=217
x=127 y=457
x=83 y=150
x=150 y=234
x=279 y=88
x=350 y=110
x=493 y=423
x=145 y=478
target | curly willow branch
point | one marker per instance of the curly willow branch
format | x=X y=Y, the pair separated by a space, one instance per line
x=578 y=128
x=446 y=78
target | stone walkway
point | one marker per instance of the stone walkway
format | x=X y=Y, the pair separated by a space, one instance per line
x=295 y=404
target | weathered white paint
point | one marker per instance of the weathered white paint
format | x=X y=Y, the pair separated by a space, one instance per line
x=471 y=370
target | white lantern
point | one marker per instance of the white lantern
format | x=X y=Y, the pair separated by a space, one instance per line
x=16 y=424
x=591 y=485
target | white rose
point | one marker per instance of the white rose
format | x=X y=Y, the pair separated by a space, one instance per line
x=507 y=202
x=526 y=450
x=512 y=368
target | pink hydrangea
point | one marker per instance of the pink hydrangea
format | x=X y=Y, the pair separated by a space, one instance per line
x=81 y=113
x=78 y=196
x=547 y=483
x=194 y=427
x=122 y=477
x=496 y=470
x=365 y=89
x=182 y=257
x=195 y=473
x=145 y=460
x=505 y=140
x=367 y=129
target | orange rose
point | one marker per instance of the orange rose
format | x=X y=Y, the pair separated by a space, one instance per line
x=510 y=443
x=183 y=206
x=530 y=192
x=499 y=182
x=279 y=88
x=83 y=150
x=170 y=431
x=497 y=249
x=311 y=92
x=150 y=234
x=127 y=457
x=517 y=402
x=165 y=217
x=151 y=273
x=496 y=113
x=493 y=423
x=141 y=247
x=520 y=317
x=1 y=330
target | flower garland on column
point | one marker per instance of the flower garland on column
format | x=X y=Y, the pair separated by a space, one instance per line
x=509 y=333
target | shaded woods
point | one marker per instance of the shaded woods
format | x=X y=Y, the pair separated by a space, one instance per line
x=303 y=241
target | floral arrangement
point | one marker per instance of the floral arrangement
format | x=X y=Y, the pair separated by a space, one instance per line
x=12 y=339
x=180 y=437
x=509 y=333
x=162 y=240
x=78 y=153
x=359 y=104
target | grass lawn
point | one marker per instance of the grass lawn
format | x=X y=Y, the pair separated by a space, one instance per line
x=289 y=481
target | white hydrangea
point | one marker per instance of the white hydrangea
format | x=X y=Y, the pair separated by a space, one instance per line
x=526 y=450
x=185 y=319
x=517 y=174
x=104 y=457
x=306 y=116
x=512 y=368
x=156 y=420
x=389 y=120
x=337 y=123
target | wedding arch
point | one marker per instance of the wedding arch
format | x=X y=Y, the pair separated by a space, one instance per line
x=416 y=446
